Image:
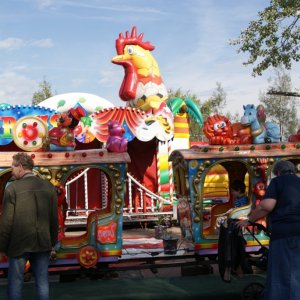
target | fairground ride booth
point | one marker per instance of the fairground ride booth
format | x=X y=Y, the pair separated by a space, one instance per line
x=202 y=177
x=25 y=128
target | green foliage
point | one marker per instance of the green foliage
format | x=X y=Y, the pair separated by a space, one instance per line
x=213 y=105
x=44 y=92
x=216 y=103
x=218 y=98
x=181 y=95
x=273 y=39
x=281 y=109
x=234 y=118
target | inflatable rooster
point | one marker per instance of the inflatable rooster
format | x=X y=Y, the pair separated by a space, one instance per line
x=142 y=86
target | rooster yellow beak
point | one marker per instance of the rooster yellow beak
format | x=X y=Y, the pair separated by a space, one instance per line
x=119 y=59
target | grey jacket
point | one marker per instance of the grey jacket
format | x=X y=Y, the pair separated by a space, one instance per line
x=29 y=221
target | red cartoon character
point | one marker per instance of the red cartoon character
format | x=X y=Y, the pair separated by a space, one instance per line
x=259 y=190
x=61 y=138
x=219 y=131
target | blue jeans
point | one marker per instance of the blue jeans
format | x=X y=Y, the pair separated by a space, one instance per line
x=39 y=262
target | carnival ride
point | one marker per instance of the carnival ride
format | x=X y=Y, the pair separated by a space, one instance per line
x=113 y=165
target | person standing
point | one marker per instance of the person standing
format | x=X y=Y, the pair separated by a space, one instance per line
x=281 y=204
x=28 y=227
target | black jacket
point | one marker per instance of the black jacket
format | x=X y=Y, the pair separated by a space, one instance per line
x=29 y=221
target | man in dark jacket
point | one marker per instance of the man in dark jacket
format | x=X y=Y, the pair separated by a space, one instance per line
x=28 y=227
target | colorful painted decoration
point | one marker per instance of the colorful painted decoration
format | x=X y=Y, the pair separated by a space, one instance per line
x=9 y=115
x=218 y=130
x=61 y=207
x=107 y=233
x=89 y=102
x=61 y=138
x=115 y=141
x=261 y=131
x=142 y=86
x=127 y=117
x=159 y=125
x=29 y=133
x=82 y=132
x=136 y=123
x=88 y=256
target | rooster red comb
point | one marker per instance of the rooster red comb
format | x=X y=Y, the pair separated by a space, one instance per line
x=132 y=39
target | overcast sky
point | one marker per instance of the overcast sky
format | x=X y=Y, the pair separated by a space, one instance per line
x=70 y=43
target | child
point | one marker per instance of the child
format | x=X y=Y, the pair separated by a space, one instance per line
x=238 y=191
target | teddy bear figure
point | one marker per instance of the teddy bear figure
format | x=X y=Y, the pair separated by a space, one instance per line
x=115 y=141
x=61 y=138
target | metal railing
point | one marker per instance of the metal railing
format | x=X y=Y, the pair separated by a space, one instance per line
x=143 y=204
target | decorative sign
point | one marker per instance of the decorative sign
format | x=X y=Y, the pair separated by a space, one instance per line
x=9 y=116
x=29 y=133
x=107 y=234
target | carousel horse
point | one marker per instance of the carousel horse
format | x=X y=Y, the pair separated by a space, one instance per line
x=261 y=131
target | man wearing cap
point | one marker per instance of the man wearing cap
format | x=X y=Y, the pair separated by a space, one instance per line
x=281 y=204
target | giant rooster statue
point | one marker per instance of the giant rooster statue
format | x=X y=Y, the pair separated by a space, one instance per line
x=142 y=86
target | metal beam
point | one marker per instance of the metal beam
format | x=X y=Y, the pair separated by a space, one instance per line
x=287 y=94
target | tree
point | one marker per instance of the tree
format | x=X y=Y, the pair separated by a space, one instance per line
x=281 y=109
x=216 y=103
x=233 y=117
x=273 y=39
x=44 y=92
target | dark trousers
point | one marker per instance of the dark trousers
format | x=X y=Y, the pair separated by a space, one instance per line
x=283 y=275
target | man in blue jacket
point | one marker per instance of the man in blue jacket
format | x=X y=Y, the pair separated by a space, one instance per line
x=28 y=227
